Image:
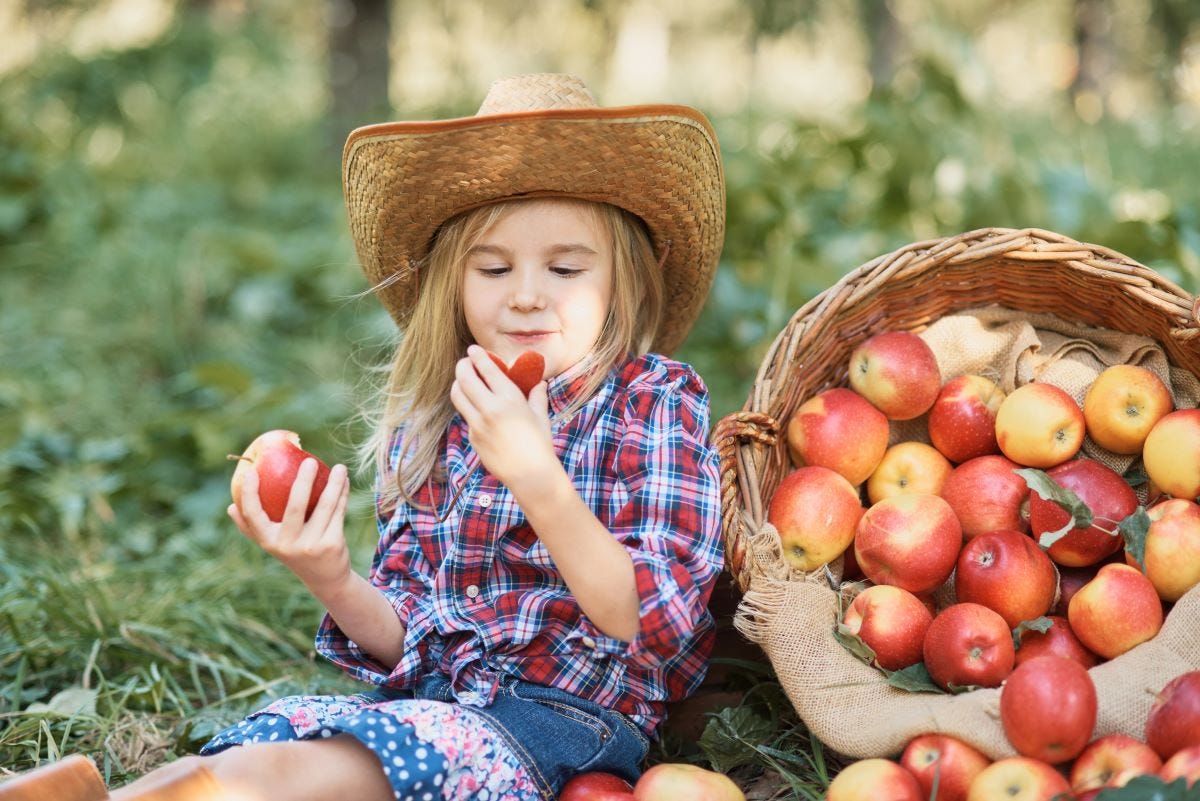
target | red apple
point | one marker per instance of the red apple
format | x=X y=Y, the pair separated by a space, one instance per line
x=1171 y=454
x=962 y=421
x=1122 y=405
x=1039 y=425
x=597 y=787
x=1109 y=497
x=897 y=372
x=1070 y=581
x=668 y=781
x=986 y=495
x=816 y=512
x=872 y=780
x=1174 y=720
x=909 y=541
x=276 y=457
x=1007 y=572
x=840 y=430
x=908 y=468
x=1172 y=555
x=1019 y=779
x=892 y=622
x=946 y=761
x=968 y=645
x=1048 y=708
x=1115 y=611
x=1184 y=765
x=1111 y=762
x=1058 y=640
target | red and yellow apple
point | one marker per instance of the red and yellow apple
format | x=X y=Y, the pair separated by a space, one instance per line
x=668 y=781
x=1058 y=640
x=1115 y=611
x=1172 y=555
x=1008 y=573
x=596 y=786
x=816 y=512
x=892 y=622
x=968 y=645
x=1171 y=454
x=1111 y=761
x=1184 y=765
x=909 y=541
x=1174 y=720
x=1109 y=497
x=962 y=421
x=276 y=457
x=872 y=780
x=1070 y=581
x=908 y=468
x=945 y=761
x=840 y=430
x=897 y=372
x=1048 y=708
x=1122 y=405
x=1019 y=779
x=1039 y=425
x=986 y=495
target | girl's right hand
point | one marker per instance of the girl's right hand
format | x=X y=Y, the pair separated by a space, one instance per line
x=315 y=550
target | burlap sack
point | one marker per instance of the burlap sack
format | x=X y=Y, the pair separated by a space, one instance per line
x=849 y=705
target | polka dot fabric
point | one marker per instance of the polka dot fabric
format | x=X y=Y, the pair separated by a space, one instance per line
x=428 y=749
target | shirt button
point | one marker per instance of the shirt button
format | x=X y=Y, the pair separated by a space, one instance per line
x=485 y=500
x=588 y=642
x=473 y=591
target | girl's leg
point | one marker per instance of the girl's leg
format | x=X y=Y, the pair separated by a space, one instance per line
x=331 y=769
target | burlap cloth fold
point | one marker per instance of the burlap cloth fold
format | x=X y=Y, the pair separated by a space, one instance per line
x=849 y=705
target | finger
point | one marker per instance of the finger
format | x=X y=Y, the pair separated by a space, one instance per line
x=323 y=511
x=467 y=409
x=473 y=386
x=252 y=511
x=495 y=378
x=297 y=503
x=236 y=516
x=539 y=400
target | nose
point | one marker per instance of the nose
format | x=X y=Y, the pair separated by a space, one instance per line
x=527 y=294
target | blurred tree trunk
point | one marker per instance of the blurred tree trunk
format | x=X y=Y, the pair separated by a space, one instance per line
x=1093 y=47
x=359 y=35
x=884 y=40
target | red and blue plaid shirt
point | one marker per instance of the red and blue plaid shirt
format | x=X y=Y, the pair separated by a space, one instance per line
x=480 y=598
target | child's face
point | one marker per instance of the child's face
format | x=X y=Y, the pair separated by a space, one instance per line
x=539 y=279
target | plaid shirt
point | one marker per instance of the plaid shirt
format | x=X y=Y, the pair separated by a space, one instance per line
x=480 y=597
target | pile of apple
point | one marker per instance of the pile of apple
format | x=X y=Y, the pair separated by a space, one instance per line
x=667 y=781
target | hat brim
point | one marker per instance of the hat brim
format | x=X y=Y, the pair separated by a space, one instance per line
x=662 y=163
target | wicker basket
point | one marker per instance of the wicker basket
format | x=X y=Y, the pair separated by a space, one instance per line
x=1029 y=271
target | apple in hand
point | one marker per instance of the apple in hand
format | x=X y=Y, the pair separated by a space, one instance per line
x=873 y=780
x=909 y=541
x=968 y=645
x=597 y=786
x=1007 y=572
x=1039 y=425
x=962 y=421
x=1122 y=405
x=1058 y=640
x=1019 y=779
x=668 y=781
x=1171 y=454
x=1112 y=761
x=816 y=512
x=1109 y=497
x=840 y=430
x=892 y=622
x=908 y=468
x=276 y=456
x=1115 y=611
x=897 y=372
x=1174 y=720
x=1172 y=554
x=987 y=495
x=946 y=760
x=1048 y=708
x=1184 y=765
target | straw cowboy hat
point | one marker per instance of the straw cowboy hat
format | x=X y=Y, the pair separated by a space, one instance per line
x=540 y=136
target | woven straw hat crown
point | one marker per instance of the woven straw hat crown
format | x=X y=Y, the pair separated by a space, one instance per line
x=540 y=136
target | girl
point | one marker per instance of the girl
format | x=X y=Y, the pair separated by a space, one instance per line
x=540 y=588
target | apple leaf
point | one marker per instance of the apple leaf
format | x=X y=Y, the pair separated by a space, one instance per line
x=913 y=679
x=958 y=689
x=1136 y=475
x=1133 y=529
x=1041 y=624
x=1049 y=489
x=852 y=643
x=732 y=737
x=1149 y=787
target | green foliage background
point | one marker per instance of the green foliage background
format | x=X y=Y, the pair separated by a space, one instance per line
x=176 y=277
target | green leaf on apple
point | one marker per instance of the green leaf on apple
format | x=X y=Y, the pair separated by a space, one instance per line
x=1149 y=787
x=1136 y=475
x=1042 y=624
x=958 y=689
x=854 y=644
x=1134 y=529
x=1041 y=483
x=732 y=737
x=913 y=679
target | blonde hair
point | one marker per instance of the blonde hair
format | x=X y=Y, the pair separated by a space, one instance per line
x=416 y=394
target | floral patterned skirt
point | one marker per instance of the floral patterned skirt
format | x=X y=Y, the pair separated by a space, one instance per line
x=428 y=749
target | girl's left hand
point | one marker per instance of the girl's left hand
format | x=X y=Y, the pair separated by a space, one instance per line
x=510 y=434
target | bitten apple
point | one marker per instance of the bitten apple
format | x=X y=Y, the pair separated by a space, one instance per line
x=909 y=541
x=1174 y=720
x=987 y=495
x=1171 y=454
x=1109 y=497
x=276 y=456
x=946 y=761
x=1172 y=554
x=1019 y=779
x=1058 y=640
x=1048 y=708
x=840 y=430
x=816 y=512
x=897 y=372
x=1122 y=405
x=908 y=468
x=968 y=645
x=1184 y=765
x=1007 y=572
x=668 y=781
x=1115 y=611
x=892 y=622
x=873 y=780
x=1111 y=761
x=1039 y=425
x=962 y=421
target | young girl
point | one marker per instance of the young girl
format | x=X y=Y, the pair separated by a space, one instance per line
x=540 y=588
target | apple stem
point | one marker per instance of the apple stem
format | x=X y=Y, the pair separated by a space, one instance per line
x=233 y=457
